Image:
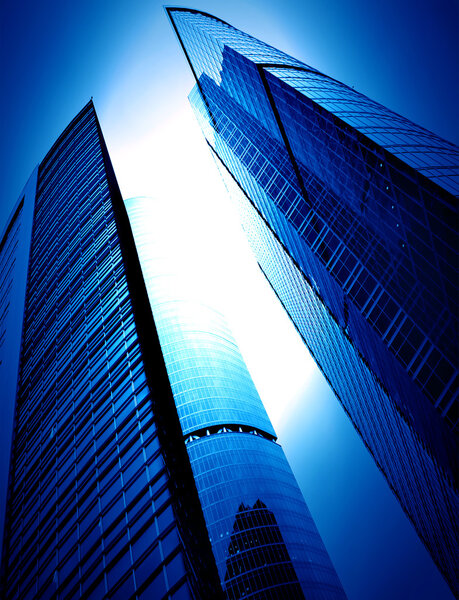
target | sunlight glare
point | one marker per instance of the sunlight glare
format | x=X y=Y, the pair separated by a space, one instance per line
x=172 y=163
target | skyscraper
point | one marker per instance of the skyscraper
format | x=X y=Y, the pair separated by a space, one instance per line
x=132 y=454
x=233 y=450
x=351 y=211
x=101 y=499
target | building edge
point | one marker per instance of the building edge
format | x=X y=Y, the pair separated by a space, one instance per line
x=188 y=507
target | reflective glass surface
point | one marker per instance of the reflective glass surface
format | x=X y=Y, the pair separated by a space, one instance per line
x=14 y=258
x=351 y=212
x=90 y=511
x=263 y=537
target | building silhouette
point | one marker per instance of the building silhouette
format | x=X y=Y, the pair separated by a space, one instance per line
x=269 y=561
x=351 y=211
x=137 y=432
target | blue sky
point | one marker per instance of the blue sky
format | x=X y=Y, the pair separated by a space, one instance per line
x=55 y=55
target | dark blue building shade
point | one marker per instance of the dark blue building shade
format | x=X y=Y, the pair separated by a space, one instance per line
x=14 y=257
x=351 y=211
x=263 y=537
x=101 y=499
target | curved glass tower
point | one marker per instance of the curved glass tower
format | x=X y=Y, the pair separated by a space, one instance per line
x=263 y=537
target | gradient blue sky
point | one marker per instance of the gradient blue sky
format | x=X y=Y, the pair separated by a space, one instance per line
x=55 y=55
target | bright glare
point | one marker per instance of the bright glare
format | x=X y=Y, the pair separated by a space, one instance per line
x=172 y=163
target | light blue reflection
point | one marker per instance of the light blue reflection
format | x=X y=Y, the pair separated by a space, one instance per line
x=262 y=533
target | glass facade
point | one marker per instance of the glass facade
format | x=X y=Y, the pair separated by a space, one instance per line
x=94 y=506
x=351 y=211
x=263 y=537
x=14 y=257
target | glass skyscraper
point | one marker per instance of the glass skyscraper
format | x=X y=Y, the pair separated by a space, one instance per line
x=351 y=211
x=101 y=502
x=242 y=476
x=143 y=464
